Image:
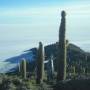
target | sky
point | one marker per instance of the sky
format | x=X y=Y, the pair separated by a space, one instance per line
x=23 y=23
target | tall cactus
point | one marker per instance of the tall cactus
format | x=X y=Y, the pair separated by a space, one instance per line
x=40 y=64
x=23 y=68
x=61 y=60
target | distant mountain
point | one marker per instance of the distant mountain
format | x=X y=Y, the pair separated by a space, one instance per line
x=30 y=56
x=74 y=53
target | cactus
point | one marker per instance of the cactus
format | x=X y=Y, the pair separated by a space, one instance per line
x=61 y=60
x=40 y=64
x=50 y=68
x=67 y=43
x=18 y=67
x=23 y=68
x=74 y=70
x=84 y=70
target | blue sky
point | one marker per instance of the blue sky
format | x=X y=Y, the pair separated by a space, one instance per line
x=23 y=23
x=27 y=3
x=21 y=3
x=33 y=3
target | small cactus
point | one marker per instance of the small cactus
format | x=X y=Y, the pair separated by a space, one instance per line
x=23 y=68
x=74 y=70
x=18 y=67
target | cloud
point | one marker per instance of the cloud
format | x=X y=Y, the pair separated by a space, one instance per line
x=45 y=11
x=43 y=22
x=42 y=14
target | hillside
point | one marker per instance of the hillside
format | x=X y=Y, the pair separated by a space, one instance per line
x=75 y=54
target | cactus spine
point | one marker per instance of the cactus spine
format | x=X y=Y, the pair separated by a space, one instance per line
x=61 y=61
x=40 y=64
x=23 y=68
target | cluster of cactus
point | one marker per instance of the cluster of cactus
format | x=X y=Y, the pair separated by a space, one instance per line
x=61 y=58
x=22 y=68
x=40 y=64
